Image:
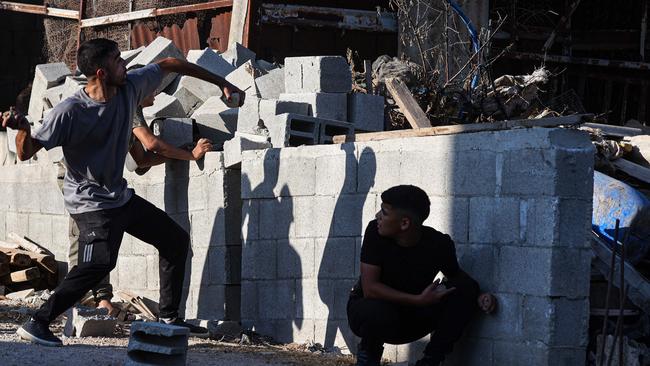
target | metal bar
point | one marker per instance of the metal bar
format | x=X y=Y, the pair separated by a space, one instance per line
x=39 y=9
x=610 y=280
x=566 y=18
x=579 y=60
x=153 y=12
x=313 y=16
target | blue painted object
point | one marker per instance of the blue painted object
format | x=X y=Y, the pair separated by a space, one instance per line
x=613 y=200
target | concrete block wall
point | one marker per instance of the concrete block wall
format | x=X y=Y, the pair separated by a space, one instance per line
x=203 y=197
x=517 y=203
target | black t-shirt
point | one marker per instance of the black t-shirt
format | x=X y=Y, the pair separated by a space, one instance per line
x=408 y=269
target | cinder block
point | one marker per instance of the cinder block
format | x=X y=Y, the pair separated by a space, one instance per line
x=248 y=119
x=542 y=221
x=570 y=272
x=494 y=220
x=575 y=173
x=521 y=353
x=536 y=263
x=200 y=89
x=175 y=131
x=293 y=130
x=317 y=74
x=129 y=55
x=272 y=107
x=347 y=219
x=249 y=300
x=366 y=111
x=295 y=258
x=376 y=170
x=52 y=97
x=89 y=322
x=267 y=67
x=40 y=229
x=337 y=173
x=473 y=173
x=277 y=299
x=276 y=218
x=480 y=262
x=244 y=78
x=574 y=222
x=237 y=55
x=160 y=330
x=528 y=172
x=335 y=258
x=210 y=61
x=322 y=105
x=290 y=184
x=216 y=121
x=450 y=215
x=506 y=323
x=164 y=105
x=45 y=76
x=160 y=48
x=259 y=173
x=271 y=85
x=233 y=148
x=329 y=129
x=259 y=260
x=558 y=322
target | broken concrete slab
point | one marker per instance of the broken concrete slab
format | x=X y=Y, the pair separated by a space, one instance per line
x=317 y=74
x=244 y=78
x=237 y=55
x=322 y=105
x=233 y=148
x=20 y=295
x=160 y=48
x=53 y=96
x=129 y=55
x=271 y=85
x=89 y=322
x=210 y=61
x=174 y=131
x=366 y=111
x=215 y=121
x=290 y=129
x=45 y=76
x=153 y=343
x=164 y=105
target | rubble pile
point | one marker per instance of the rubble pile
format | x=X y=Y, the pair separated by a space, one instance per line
x=25 y=267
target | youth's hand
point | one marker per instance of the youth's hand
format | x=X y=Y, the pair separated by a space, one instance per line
x=14 y=120
x=433 y=294
x=202 y=147
x=229 y=90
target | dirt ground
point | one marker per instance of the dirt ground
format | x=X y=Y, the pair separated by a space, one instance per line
x=97 y=351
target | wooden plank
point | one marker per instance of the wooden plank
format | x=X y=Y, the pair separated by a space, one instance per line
x=25 y=275
x=27 y=244
x=38 y=9
x=407 y=104
x=458 y=129
x=17 y=259
x=635 y=170
x=47 y=262
x=616 y=131
x=153 y=12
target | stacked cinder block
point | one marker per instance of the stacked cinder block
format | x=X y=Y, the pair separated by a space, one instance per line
x=159 y=49
x=46 y=76
x=157 y=344
x=203 y=198
x=517 y=204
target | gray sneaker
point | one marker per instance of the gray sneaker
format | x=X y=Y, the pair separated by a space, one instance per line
x=39 y=333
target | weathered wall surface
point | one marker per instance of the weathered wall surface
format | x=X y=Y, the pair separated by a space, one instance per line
x=203 y=198
x=517 y=203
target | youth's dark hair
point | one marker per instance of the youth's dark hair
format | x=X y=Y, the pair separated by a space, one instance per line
x=93 y=55
x=408 y=198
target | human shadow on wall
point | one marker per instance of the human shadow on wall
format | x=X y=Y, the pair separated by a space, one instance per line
x=273 y=264
x=336 y=273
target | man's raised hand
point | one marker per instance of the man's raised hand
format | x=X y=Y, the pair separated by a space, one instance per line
x=14 y=120
x=203 y=146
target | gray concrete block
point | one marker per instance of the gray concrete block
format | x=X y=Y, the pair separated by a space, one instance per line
x=216 y=121
x=250 y=220
x=129 y=55
x=233 y=148
x=46 y=76
x=290 y=184
x=574 y=222
x=259 y=173
x=249 y=300
x=506 y=323
x=335 y=258
x=199 y=89
x=536 y=263
x=376 y=170
x=259 y=260
x=175 y=131
x=317 y=74
x=494 y=220
x=337 y=173
x=52 y=97
x=558 y=322
x=188 y=100
x=11 y=141
x=248 y=119
x=267 y=67
x=521 y=353
x=293 y=130
x=269 y=108
x=71 y=85
x=271 y=85
x=159 y=329
x=366 y=111
x=256 y=114
x=276 y=299
x=570 y=272
x=89 y=322
x=329 y=129
x=237 y=55
x=473 y=173
x=347 y=220
x=155 y=346
x=244 y=78
x=574 y=172
x=480 y=262
x=211 y=61
x=164 y=105
x=160 y=48
x=276 y=218
x=528 y=172
x=322 y=105
x=449 y=215
x=40 y=229
x=541 y=221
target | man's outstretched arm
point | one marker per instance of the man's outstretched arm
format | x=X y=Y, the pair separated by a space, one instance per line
x=182 y=67
x=26 y=146
x=153 y=143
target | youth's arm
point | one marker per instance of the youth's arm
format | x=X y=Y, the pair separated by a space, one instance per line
x=170 y=64
x=144 y=158
x=26 y=146
x=160 y=147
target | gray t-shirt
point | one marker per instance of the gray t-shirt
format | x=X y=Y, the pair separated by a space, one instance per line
x=95 y=139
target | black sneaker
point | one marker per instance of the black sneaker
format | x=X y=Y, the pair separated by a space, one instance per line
x=370 y=356
x=195 y=330
x=38 y=332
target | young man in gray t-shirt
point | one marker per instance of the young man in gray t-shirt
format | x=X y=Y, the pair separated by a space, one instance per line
x=94 y=127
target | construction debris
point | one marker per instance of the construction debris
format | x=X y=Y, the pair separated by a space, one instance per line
x=157 y=344
x=89 y=322
x=25 y=265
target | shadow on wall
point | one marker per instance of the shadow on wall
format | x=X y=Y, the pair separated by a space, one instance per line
x=340 y=245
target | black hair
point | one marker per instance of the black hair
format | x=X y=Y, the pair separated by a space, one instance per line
x=408 y=198
x=93 y=55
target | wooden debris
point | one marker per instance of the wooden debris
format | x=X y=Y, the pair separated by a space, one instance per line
x=4 y=258
x=17 y=258
x=25 y=275
x=407 y=104
x=615 y=131
x=47 y=262
x=137 y=302
x=4 y=270
x=20 y=295
x=27 y=244
x=635 y=170
x=458 y=129
x=5 y=244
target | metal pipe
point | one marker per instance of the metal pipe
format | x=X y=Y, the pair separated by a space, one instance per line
x=603 y=332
